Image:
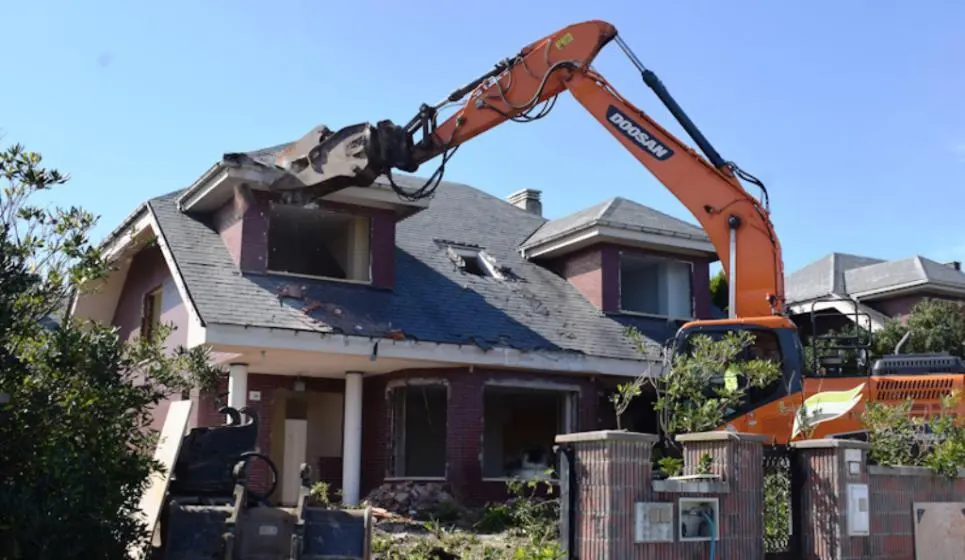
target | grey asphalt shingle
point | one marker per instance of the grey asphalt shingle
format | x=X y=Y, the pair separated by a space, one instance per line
x=852 y=274
x=893 y=274
x=432 y=299
x=620 y=213
x=823 y=276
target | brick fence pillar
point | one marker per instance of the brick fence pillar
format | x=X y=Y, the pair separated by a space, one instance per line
x=610 y=471
x=834 y=480
x=738 y=460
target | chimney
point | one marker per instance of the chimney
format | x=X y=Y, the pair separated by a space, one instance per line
x=957 y=265
x=527 y=199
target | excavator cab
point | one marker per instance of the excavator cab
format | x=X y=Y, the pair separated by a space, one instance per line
x=840 y=343
x=775 y=338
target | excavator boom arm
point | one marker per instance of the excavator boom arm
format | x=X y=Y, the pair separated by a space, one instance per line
x=737 y=224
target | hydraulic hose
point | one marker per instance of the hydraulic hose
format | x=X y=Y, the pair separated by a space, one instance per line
x=713 y=532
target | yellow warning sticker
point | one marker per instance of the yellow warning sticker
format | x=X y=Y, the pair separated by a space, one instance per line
x=564 y=40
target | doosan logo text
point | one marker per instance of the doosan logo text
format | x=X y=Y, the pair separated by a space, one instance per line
x=637 y=133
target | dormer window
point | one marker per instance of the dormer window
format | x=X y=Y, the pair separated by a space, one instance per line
x=474 y=260
x=659 y=286
x=310 y=241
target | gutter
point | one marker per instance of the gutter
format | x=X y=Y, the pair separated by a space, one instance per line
x=138 y=213
x=899 y=288
x=200 y=183
x=615 y=225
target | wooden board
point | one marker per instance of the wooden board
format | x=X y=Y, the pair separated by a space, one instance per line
x=168 y=447
x=296 y=443
x=939 y=529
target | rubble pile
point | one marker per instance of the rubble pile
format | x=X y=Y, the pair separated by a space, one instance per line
x=410 y=498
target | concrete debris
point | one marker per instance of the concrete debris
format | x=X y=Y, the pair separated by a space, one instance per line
x=409 y=498
x=292 y=291
x=395 y=334
x=311 y=306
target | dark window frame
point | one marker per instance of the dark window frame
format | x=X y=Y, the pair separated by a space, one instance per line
x=152 y=306
x=289 y=251
x=662 y=260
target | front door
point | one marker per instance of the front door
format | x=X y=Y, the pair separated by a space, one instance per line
x=296 y=444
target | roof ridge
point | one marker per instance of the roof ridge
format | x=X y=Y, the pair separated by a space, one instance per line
x=609 y=206
x=843 y=254
x=833 y=270
x=661 y=212
x=921 y=267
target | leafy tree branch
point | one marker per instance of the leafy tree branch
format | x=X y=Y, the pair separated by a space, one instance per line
x=76 y=429
x=694 y=394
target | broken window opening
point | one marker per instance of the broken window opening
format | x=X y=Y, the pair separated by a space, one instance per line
x=475 y=261
x=319 y=243
x=151 y=311
x=520 y=427
x=419 y=422
x=473 y=265
x=656 y=286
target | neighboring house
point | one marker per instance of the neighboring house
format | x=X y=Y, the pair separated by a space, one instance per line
x=383 y=339
x=881 y=289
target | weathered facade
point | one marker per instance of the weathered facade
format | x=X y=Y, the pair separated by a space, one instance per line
x=383 y=339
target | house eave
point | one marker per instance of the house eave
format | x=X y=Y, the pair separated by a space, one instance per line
x=848 y=308
x=120 y=240
x=217 y=186
x=240 y=338
x=378 y=196
x=911 y=288
x=602 y=232
x=116 y=249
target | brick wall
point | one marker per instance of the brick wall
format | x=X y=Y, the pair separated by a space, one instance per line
x=465 y=425
x=463 y=434
x=892 y=492
x=326 y=469
x=586 y=271
x=820 y=503
x=823 y=509
x=900 y=306
x=595 y=272
x=612 y=472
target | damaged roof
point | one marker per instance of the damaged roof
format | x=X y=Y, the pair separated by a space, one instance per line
x=844 y=274
x=618 y=213
x=534 y=309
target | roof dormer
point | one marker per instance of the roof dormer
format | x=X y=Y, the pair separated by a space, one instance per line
x=271 y=225
x=627 y=258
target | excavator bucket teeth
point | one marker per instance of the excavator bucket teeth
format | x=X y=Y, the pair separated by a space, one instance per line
x=323 y=161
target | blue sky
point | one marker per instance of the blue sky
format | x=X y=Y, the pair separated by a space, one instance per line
x=851 y=112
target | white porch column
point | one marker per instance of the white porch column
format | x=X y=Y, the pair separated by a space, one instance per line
x=352 y=439
x=237 y=386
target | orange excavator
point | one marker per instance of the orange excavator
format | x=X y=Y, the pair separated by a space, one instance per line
x=523 y=88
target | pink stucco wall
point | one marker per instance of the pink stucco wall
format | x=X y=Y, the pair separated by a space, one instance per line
x=148 y=271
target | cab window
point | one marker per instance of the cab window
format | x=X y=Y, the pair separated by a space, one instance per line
x=766 y=345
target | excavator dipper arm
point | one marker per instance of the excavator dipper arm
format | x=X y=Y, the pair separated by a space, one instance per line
x=737 y=224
